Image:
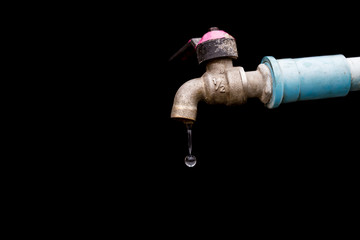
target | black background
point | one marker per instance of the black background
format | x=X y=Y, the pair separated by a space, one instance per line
x=134 y=84
x=124 y=138
x=102 y=151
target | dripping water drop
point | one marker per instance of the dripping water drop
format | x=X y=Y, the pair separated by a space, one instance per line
x=190 y=160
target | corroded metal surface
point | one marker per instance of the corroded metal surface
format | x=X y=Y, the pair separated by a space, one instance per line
x=187 y=98
x=259 y=83
x=216 y=48
x=221 y=84
x=214 y=44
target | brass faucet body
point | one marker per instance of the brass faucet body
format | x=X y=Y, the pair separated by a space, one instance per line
x=222 y=83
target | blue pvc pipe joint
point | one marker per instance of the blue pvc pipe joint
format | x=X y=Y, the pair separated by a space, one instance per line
x=308 y=78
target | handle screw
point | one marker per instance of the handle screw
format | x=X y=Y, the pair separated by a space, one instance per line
x=213 y=29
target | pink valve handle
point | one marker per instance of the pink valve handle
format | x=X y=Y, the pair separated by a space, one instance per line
x=208 y=46
x=216 y=34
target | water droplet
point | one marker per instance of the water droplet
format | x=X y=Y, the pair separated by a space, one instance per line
x=190 y=160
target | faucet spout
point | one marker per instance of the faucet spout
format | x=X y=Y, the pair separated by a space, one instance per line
x=186 y=100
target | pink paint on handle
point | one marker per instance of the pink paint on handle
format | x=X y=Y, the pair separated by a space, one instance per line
x=214 y=35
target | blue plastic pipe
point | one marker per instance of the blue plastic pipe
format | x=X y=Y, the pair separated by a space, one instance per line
x=310 y=78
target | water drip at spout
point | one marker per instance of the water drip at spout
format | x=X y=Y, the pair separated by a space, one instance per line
x=190 y=160
x=189 y=132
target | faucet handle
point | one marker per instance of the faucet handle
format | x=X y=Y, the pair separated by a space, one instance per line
x=187 y=50
x=214 y=44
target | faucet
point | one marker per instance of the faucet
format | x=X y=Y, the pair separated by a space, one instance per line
x=273 y=82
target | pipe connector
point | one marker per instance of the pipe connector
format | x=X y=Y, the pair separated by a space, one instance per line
x=311 y=78
x=259 y=83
